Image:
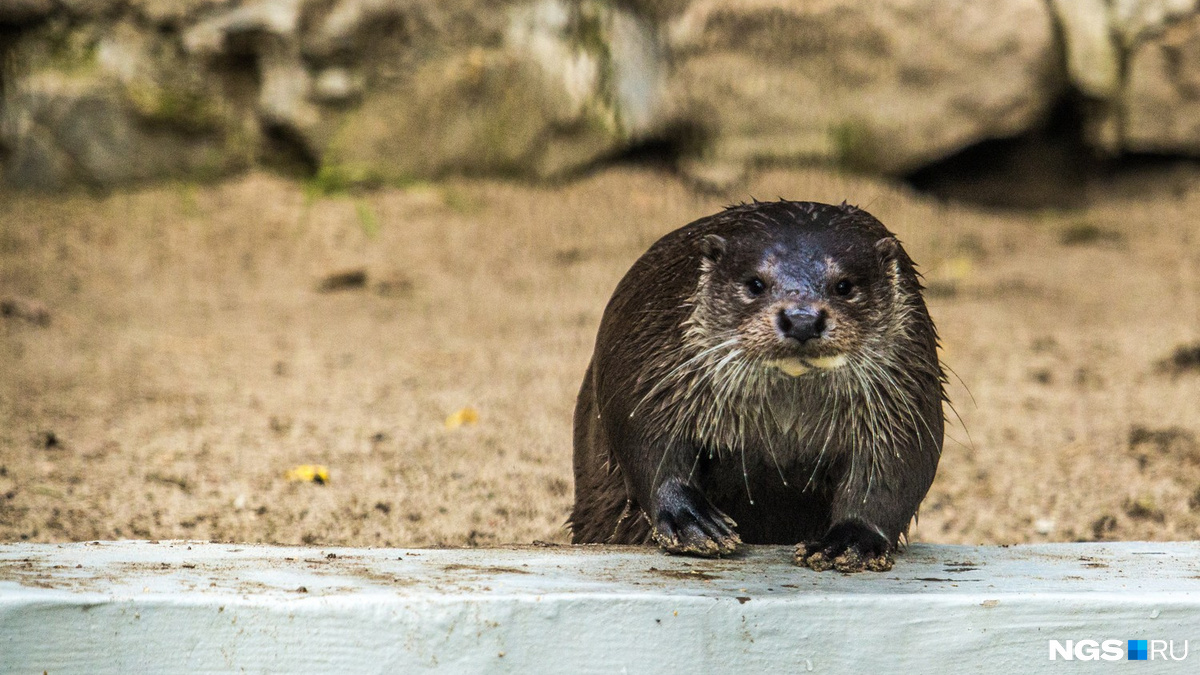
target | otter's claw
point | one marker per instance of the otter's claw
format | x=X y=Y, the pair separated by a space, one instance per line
x=686 y=523
x=704 y=537
x=848 y=548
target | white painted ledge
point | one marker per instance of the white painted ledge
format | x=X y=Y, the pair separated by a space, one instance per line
x=188 y=607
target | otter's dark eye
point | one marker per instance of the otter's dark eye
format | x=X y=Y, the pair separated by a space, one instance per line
x=844 y=287
x=755 y=286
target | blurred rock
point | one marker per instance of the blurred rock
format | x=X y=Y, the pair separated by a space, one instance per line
x=284 y=91
x=111 y=106
x=175 y=12
x=1127 y=89
x=528 y=88
x=1133 y=20
x=89 y=9
x=24 y=11
x=1161 y=101
x=87 y=136
x=270 y=17
x=877 y=86
x=1093 y=62
x=107 y=92
x=1094 y=66
x=337 y=85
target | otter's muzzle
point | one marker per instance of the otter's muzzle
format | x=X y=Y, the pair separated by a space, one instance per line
x=802 y=323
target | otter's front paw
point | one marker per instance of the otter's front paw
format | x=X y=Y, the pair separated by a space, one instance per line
x=847 y=547
x=685 y=522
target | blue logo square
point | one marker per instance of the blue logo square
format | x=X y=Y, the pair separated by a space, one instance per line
x=1137 y=650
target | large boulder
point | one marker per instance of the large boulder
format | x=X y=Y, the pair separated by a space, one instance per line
x=532 y=88
x=373 y=90
x=879 y=86
x=111 y=106
x=1161 y=100
x=107 y=92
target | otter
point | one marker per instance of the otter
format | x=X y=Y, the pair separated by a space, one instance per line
x=768 y=375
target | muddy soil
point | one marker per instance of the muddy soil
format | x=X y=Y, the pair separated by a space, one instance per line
x=167 y=355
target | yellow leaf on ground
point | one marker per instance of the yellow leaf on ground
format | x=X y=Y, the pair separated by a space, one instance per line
x=955 y=269
x=461 y=417
x=308 y=473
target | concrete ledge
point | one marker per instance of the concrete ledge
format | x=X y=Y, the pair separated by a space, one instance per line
x=190 y=607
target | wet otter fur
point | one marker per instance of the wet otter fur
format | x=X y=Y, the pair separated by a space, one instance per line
x=768 y=375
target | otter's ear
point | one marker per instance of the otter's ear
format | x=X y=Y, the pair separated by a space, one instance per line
x=712 y=246
x=888 y=248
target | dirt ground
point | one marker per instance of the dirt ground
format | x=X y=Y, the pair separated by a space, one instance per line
x=166 y=355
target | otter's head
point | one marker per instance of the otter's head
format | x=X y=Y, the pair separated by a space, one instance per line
x=801 y=286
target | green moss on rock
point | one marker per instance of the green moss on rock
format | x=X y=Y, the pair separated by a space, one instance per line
x=189 y=110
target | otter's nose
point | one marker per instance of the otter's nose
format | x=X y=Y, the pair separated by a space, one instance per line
x=801 y=323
